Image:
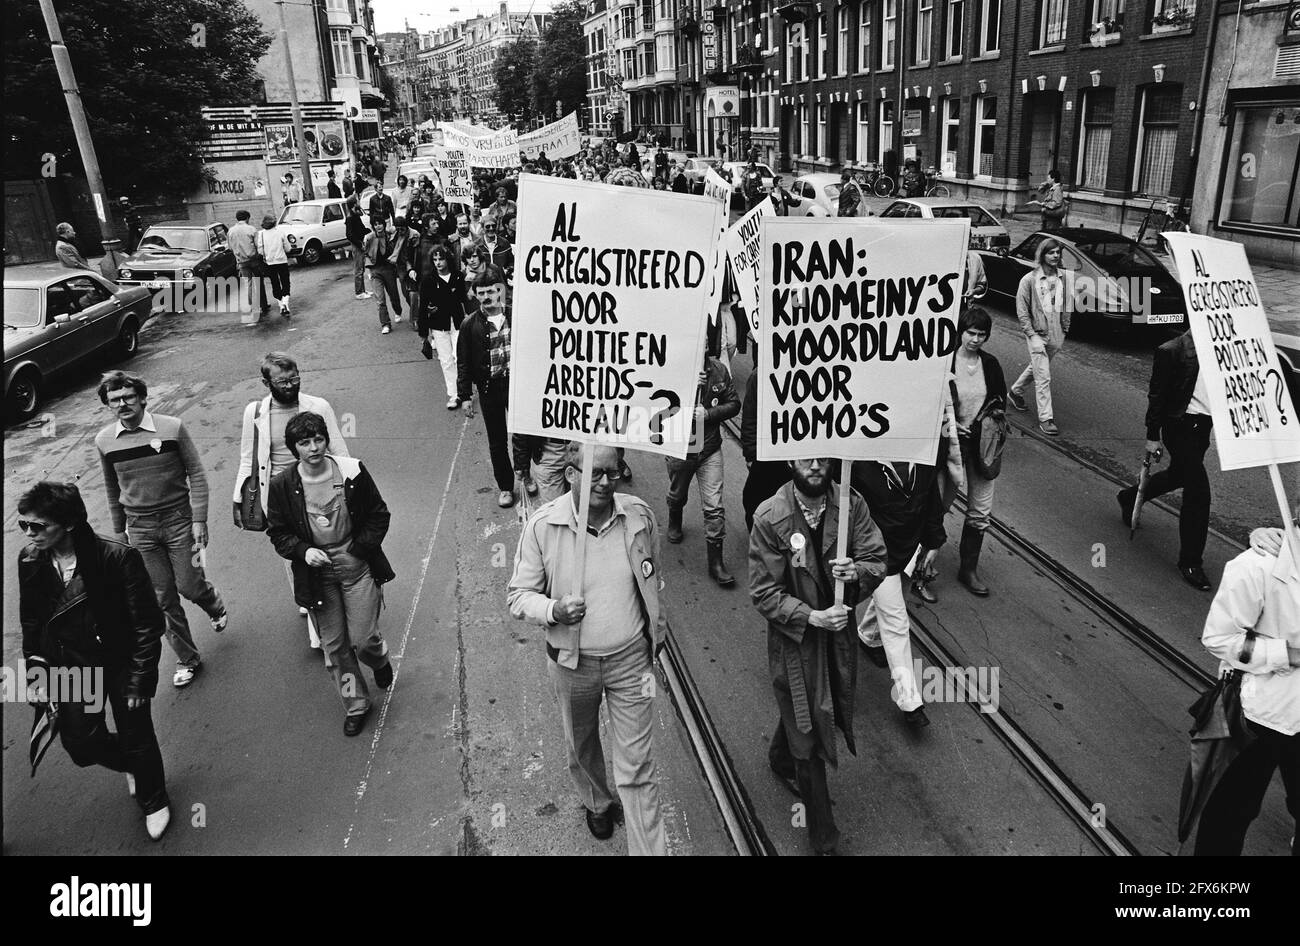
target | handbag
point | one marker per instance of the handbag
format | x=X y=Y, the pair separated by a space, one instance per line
x=988 y=438
x=249 y=514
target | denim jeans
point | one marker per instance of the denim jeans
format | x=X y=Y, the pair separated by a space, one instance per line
x=348 y=624
x=884 y=621
x=166 y=542
x=385 y=278
x=253 y=287
x=626 y=680
x=708 y=471
x=358 y=269
x=133 y=748
x=1039 y=372
x=979 y=498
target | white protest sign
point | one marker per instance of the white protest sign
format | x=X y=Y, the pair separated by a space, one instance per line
x=500 y=149
x=744 y=244
x=716 y=187
x=858 y=326
x=608 y=333
x=452 y=167
x=1254 y=420
x=560 y=139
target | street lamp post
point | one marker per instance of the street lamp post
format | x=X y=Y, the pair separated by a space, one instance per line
x=304 y=165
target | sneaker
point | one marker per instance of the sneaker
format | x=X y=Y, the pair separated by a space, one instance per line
x=157 y=822
x=530 y=487
x=397 y=317
x=130 y=784
x=453 y=403
x=220 y=621
x=505 y=499
x=1049 y=428
x=313 y=636
x=385 y=330
x=302 y=612
x=1017 y=401
x=365 y=295
x=184 y=676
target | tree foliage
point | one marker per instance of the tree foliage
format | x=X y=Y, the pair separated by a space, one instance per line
x=561 y=74
x=515 y=75
x=144 y=67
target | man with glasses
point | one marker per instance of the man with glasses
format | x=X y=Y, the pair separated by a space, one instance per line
x=158 y=498
x=603 y=628
x=812 y=657
x=264 y=423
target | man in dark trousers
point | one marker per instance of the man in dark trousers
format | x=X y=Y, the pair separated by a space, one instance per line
x=483 y=361
x=812 y=658
x=1178 y=410
x=661 y=163
x=332 y=188
x=355 y=229
x=765 y=476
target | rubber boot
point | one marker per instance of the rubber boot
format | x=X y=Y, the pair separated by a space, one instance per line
x=971 y=541
x=717 y=568
x=674 y=525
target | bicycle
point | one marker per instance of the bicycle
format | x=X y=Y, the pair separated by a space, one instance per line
x=1158 y=222
x=880 y=183
x=934 y=187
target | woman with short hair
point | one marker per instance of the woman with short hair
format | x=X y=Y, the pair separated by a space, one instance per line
x=326 y=516
x=273 y=244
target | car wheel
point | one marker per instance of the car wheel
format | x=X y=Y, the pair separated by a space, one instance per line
x=24 y=395
x=311 y=254
x=128 y=338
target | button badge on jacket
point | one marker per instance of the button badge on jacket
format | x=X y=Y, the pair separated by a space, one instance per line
x=797 y=545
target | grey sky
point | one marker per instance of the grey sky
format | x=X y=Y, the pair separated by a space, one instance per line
x=426 y=15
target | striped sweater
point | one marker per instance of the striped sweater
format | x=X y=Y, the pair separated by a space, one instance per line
x=151 y=470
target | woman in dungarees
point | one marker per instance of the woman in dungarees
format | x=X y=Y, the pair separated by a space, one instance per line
x=326 y=516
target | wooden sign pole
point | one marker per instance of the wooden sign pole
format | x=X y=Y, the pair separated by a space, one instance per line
x=584 y=510
x=1288 y=529
x=842 y=529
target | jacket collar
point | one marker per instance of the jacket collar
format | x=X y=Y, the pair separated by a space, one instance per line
x=349 y=468
x=1285 y=568
x=146 y=423
x=562 y=511
x=786 y=508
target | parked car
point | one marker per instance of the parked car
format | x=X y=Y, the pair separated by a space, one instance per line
x=314 y=228
x=695 y=168
x=736 y=171
x=1288 y=356
x=427 y=150
x=178 y=255
x=816 y=190
x=986 y=231
x=1116 y=269
x=54 y=319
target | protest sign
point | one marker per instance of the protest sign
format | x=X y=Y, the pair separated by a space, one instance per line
x=607 y=339
x=452 y=167
x=498 y=149
x=716 y=187
x=1254 y=420
x=560 y=139
x=857 y=329
x=744 y=245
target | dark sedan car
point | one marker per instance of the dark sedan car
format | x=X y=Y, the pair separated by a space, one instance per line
x=177 y=255
x=1113 y=280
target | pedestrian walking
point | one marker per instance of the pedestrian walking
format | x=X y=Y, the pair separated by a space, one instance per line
x=751 y=186
x=441 y=312
x=782 y=199
x=273 y=245
x=603 y=629
x=1253 y=627
x=1178 y=417
x=717 y=401
x=378 y=169
x=85 y=603
x=379 y=248
x=331 y=185
x=262 y=445
x=158 y=499
x=905 y=503
x=65 y=248
x=483 y=361
x=381 y=207
x=812 y=658
x=765 y=476
x=1051 y=204
x=291 y=190
x=402 y=196
x=133 y=221
x=979 y=391
x=355 y=229
x=850 y=200
x=349 y=187
x=250 y=265
x=1043 y=307
x=326 y=517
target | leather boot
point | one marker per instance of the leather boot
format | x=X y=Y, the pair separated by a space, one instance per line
x=717 y=568
x=971 y=542
x=674 y=525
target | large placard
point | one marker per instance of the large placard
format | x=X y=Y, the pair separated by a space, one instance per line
x=559 y=139
x=495 y=149
x=1254 y=421
x=857 y=331
x=744 y=245
x=607 y=339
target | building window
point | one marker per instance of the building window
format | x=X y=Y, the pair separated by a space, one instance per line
x=889 y=34
x=924 y=18
x=821 y=131
x=1107 y=18
x=791 y=53
x=842 y=46
x=986 y=110
x=864 y=37
x=629 y=64
x=1052 y=21
x=1094 y=150
x=627 y=22
x=1259 y=178
x=664 y=52
x=341 y=46
x=647 y=59
x=1157 y=139
x=823 y=47
x=949 y=135
x=647 y=16
x=862 y=147
x=954 y=23
x=885 y=140
x=359 y=60
x=805 y=138
x=1169 y=15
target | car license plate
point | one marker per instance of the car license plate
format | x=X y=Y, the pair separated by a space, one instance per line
x=156 y=284
x=1167 y=318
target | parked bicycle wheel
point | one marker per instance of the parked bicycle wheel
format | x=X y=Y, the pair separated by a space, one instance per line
x=884 y=186
x=939 y=190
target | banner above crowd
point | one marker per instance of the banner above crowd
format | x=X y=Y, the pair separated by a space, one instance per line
x=560 y=139
x=494 y=149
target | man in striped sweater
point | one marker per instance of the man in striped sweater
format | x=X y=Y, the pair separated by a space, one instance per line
x=158 y=498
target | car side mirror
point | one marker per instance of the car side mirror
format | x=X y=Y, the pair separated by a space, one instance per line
x=1003 y=251
x=219 y=247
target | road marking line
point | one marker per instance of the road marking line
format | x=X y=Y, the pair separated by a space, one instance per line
x=406 y=634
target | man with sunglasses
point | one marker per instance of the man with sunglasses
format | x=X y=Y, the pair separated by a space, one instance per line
x=603 y=628
x=158 y=497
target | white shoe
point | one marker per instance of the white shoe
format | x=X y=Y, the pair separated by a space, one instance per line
x=130 y=784
x=184 y=676
x=157 y=822
x=453 y=403
x=363 y=295
x=397 y=318
x=302 y=612
x=313 y=637
x=385 y=330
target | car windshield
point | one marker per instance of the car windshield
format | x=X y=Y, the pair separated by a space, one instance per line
x=977 y=216
x=22 y=307
x=300 y=213
x=1118 y=254
x=176 y=238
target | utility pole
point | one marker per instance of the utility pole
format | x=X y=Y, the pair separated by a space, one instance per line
x=80 y=127
x=304 y=164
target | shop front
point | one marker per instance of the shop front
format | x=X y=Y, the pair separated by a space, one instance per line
x=1259 y=196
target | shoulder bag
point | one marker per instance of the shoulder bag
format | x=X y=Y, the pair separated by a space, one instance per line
x=249 y=514
x=988 y=438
